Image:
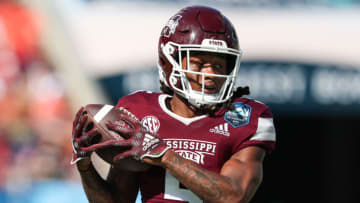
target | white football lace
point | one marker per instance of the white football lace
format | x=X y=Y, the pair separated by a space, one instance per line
x=124 y=110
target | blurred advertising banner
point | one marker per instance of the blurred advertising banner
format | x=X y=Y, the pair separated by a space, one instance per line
x=288 y=88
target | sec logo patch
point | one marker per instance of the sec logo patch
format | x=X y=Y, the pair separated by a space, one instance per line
x=240 y=116
x=151 y=123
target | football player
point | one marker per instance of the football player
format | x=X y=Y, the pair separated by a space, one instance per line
x=204 y=141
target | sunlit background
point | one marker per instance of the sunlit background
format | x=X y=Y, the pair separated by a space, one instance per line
x=301 y=57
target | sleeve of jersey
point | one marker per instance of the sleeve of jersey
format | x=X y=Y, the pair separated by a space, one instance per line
x=264 y=136
x=130 y=99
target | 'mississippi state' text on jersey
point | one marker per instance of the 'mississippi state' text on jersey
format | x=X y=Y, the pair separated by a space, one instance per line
x=207 y=141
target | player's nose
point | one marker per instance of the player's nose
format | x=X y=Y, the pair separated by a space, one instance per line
x=208 y=68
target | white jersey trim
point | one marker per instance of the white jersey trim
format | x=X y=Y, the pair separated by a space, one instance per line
x=186 y=121
x=265 y=130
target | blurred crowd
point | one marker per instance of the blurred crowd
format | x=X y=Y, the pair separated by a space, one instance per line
x=35 y=117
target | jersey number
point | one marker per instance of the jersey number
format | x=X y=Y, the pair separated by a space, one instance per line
x=174 y=192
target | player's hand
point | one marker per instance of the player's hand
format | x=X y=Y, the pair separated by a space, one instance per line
x=81 y=137
x=142 y=143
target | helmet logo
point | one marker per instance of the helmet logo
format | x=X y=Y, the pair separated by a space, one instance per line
x=170 y=26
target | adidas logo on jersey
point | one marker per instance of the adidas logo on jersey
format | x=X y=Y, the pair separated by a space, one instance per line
x=222 y=129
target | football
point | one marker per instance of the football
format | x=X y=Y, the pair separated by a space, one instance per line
x=98 y=115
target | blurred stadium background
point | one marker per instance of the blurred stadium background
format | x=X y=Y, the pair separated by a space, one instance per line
x=301 y=57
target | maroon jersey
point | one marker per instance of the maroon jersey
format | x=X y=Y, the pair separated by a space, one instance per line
x=207 y=141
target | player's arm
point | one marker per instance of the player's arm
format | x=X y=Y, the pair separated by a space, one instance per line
x=96 y=189
x=237 y=182
x=120 y=186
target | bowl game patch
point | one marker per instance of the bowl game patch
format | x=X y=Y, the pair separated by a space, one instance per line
x=240 y=116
